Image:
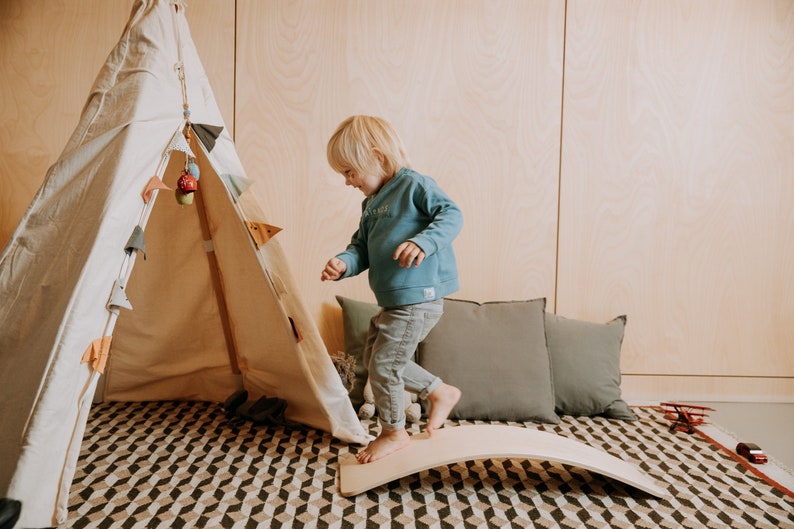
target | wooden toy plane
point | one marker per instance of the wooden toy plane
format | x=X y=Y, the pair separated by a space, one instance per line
x=684 y=416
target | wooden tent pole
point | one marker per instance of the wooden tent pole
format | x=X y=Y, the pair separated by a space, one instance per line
x=217 y=282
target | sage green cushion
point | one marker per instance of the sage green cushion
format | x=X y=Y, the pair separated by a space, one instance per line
x=496 y=354
x=356 y=316
x=585 y=364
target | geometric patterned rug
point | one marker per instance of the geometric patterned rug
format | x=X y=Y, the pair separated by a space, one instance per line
x=164 y=465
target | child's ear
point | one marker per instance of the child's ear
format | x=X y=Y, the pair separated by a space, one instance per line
x=384 y=164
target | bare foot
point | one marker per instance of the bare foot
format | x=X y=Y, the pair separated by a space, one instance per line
x=387 y=442
x=442 y=400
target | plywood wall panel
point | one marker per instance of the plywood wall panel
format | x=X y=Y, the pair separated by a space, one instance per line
x=677 y=182
x=651 y=389
x=474 y=89
x=212 y=28
x=50 y=54
x=677 y=166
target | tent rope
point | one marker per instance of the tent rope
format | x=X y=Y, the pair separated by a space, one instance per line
x=187 y=183
x=180 y=65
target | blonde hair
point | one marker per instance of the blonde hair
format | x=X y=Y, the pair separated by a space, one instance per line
x=354 y=144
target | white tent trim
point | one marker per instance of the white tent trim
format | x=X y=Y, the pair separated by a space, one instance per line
x=211 y=309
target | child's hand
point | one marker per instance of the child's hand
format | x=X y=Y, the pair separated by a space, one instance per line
x=333 y=270
x=409 y=253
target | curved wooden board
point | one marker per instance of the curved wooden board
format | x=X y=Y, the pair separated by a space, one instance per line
x=487 y=441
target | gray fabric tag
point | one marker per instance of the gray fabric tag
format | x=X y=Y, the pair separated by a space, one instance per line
x=136 y=242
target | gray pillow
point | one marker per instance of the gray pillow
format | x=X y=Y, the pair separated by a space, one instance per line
x=496 y=354
x=355 y=319
x=585 y=364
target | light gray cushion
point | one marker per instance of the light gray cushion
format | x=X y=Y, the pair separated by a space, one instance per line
x=355 y=319
x=496 y=354
x=585 y=364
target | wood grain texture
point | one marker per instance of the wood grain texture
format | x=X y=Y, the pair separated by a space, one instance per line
x=473 y=88
x=50 y=54
x=650 y=389
x=677 y=168
x=678 y=180
x=212 y=28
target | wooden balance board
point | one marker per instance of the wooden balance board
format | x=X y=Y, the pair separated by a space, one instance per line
x=487 y=441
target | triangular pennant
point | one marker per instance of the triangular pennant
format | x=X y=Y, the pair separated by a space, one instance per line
x=118 y=299
x=260 y=232
x=97 y=353
x=207 y=134
x=179 y=143
x=236 y=184
x=136 y=242
x=153 y=184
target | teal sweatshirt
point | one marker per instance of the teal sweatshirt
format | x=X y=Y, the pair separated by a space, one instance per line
x=409 y=207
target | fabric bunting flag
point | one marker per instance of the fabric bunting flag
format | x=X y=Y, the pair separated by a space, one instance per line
x=118 y=299
x=207 y=134
x=179 y=143
x=136 y=242
x=260 y=232
x=236 y=184
x=153 y=184
x=97 y=353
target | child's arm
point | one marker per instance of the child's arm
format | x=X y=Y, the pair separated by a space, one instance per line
x=354 y=259
x=333 y=270
x=348 y=263
x=445 y=226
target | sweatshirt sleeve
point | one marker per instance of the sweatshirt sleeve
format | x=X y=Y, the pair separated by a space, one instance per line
x=355 y=257
x=446 y=223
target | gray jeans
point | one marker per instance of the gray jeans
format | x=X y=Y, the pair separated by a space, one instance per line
x=394 y=334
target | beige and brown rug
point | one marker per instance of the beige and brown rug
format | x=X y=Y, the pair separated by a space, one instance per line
x=184 y=464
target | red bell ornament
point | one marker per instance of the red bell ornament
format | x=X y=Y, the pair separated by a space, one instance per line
x=187 y=183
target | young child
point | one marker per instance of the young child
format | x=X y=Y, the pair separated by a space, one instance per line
x=404 y=238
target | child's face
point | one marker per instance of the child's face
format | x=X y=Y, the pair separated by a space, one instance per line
x=367 y=183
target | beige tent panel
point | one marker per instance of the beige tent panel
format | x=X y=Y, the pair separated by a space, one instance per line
x=211 y=311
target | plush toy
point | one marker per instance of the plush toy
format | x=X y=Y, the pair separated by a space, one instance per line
x=413 y=411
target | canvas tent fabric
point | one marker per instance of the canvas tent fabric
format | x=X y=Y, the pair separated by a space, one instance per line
x=107 y=271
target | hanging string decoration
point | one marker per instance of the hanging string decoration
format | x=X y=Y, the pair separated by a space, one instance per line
x=187 y=184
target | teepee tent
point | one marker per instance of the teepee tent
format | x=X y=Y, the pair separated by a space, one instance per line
x=107 y=272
